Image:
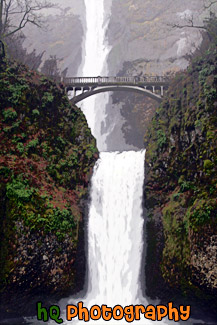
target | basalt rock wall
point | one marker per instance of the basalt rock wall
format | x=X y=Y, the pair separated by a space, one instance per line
x=180 y=186
x=47 y=154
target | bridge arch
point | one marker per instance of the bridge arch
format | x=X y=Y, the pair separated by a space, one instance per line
x=99 y=89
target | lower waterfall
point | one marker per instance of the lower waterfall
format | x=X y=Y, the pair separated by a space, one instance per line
x=115 y=229
x=115 y=233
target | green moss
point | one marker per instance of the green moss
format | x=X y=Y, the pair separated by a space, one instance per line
x=9 y=114
x=207 y=164
x=19 y=190
x=200 y=213
x=35 y=112
x=181 y=160
x=44 y=170
x=47 y=99
x=33 y=143
x=20 y=147
x=161 y=138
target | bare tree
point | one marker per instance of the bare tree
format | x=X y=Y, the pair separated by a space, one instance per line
x=208 y=27
x=209 y=4
x=16 y=14
x=189 y=20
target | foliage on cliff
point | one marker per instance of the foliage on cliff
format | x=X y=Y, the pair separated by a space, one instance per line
x=181 y=180
x=46 y=157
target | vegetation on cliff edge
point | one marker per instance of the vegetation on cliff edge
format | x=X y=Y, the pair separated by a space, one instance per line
x=46 y=157
x=181 y=180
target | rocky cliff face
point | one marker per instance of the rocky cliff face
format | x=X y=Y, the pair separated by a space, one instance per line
x=143 y=42
x=139 y=32
x=62 y=37
x=47 y=154
x=181 y=188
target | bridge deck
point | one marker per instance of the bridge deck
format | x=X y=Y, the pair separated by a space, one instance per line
x=94 y=81
x=116 y=80
x=151 y=86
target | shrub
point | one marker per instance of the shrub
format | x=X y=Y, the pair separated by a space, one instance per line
x=161 y=138
x=35 y=112
x=19 y=190
x=9 y=114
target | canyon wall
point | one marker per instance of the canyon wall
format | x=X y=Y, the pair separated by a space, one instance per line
x=180 y=185
x=62 y=35
x=144 y=42
x=47 y=156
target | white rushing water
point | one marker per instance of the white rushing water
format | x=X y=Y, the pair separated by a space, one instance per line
x=115 y=231
x=115 y=234
x=96 y=52
x=115 y=228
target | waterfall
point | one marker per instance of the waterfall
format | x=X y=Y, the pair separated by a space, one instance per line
x=115 y=220
x=96 y=50
x=115 y=229
x=115 y=234
x=115 y=217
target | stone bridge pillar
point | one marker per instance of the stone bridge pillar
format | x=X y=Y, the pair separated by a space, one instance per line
x=162 y=90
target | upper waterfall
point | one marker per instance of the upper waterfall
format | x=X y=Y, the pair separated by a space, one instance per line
x=96 y=52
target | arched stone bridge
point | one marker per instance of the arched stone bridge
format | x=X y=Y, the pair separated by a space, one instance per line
x=83 y=87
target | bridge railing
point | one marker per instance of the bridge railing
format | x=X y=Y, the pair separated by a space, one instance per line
x=114 y=80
